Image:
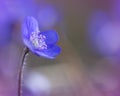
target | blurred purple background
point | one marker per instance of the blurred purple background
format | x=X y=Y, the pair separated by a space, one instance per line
x=89 y=36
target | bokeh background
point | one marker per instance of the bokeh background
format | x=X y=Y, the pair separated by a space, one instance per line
x=89 y=33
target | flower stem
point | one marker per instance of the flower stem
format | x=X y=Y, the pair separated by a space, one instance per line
x=20 y=78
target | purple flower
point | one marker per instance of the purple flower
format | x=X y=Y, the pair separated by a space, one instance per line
x=41 y=43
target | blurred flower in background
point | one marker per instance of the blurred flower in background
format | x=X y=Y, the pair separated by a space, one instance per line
x=48 y=16
x=5 y=34
x=37 y=83
x=104 y=34
x=96 y=21
x=12 y=12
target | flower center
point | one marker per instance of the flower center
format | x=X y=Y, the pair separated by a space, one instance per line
x=38 y=40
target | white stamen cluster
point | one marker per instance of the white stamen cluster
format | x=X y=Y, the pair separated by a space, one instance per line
x=38 y=40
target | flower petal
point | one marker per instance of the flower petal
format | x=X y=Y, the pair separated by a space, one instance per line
x=28 y=44
x=30 y=25
x=50 y=53
x=51 y=37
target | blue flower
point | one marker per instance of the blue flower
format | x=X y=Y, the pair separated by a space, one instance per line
x=41 y=43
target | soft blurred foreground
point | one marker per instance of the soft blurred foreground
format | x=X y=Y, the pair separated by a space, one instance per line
x=89 y=37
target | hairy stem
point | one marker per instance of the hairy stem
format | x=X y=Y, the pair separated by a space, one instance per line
x=20 y=78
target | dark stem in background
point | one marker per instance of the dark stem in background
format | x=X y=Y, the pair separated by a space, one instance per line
x=20 y=78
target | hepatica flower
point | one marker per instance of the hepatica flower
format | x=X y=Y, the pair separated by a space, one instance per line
x=41 y=43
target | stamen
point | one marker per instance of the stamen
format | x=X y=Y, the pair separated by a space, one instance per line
x=38 y=40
